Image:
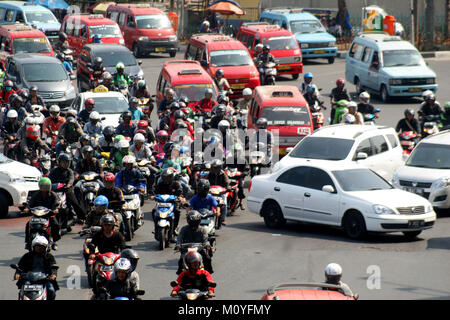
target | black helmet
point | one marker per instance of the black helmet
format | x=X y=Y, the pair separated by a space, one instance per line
x=192 y=257
x=223 y=99
x=220 y=72
x=109 y=131
x=133 y=101
x=221 y=109
x=84 y=137
x=126 y=114
x=62 y=36
x=179 y=114
x=86 y=149
x=17 y=100
x=409 y=111
x=193 y=219
x=261 y=123
x=216 y=163
x=64 y=157
x=98 y=61
x=34 y=88
x=174 y=105
x=266 y=47
x=184 y=99
x=107 y=219
x=131 y=255
x=168 y=173
x=167 y=147
x=180 y=124
x=203 y=186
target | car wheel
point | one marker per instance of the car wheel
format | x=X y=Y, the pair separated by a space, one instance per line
x=295 y=76
x=273 y=217
x=172 y=54
x=411 y=235
x=331 y=60
x=3 y=206
x=384 y=94
x=136 y=51
x=358 y=86
x=354 y=225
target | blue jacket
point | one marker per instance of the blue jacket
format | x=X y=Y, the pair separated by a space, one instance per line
x=132 y=177
x=127 y=131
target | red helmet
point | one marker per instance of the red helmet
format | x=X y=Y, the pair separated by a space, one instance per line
x=110 y=177
x=33 y=132
x=162 y=133
x=89 y=101
x=185 y=110
x=142 y=131
x=340 y=81
x=143 y=124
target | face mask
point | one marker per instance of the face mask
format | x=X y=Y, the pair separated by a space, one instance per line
x=8 y=89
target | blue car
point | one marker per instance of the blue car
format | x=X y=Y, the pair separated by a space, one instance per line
x=312 y=37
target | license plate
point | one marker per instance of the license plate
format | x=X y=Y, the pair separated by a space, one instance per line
x=319 y=51
x=106 y=268
x=414 y=90
x=284 y=67
x=416 y=223
x=204 y=222
x=415 y=190
x=238 y=86
x=32 y=287
x=160 y=49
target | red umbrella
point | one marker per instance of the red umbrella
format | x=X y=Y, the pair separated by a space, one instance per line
x=226 y=8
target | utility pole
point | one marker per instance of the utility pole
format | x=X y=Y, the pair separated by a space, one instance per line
x=429 y=23
x=412 y=33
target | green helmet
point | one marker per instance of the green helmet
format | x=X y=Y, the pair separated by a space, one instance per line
x=45 y=182
x=118 y=138
x=120 y=65
x=447 y=105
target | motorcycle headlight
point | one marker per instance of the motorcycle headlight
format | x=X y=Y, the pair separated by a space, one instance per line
x=163 y=215
x=304 y=46
x=140 y=73
x=108 y=261
x=380 y=209
x=173 y=38
x=192 y=295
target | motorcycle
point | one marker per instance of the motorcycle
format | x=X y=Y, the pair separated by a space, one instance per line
x=232 y=196
x=258 y=159
x=89 y=233
x=32 y=284
x=408 y=142
x=143 y=167
x=133 y=215
x=192 y=294
x=317 y=115
x=38 y=225
x=43 y=163
x=104 y=295
x=369 y=118
x=269 y=73
x=102 y=268
x=185 y=248
x=10 y=149
x=66 y=216
x=208 y=223
x=217 y=192
x=164 y=218
x=89 y=185
x=430 y=125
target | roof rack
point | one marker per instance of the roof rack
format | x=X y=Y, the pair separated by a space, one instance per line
x=246 y=24
x=189 y=71
x=139 y=5
x=181 y=61
x=285 y=10
x=289 y=94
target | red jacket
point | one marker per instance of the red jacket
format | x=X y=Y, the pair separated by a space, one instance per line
x=172 y=126
x=188 y=281
x=4 y=95
x=206 y=105
x=51 y=125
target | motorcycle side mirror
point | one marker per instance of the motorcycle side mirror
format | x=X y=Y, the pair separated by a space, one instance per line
x=103 y=118
x=212 y=284
x=14 y=266
x=139 y=62
x=173 y=284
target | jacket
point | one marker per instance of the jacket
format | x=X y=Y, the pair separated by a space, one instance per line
x=60 y=175
x=38 y=200
x=133 y=177
x=199 y=281
x=26 y=265
x=117 y=288
x=51 y=125
x=85 y=166
x=219 y=180
x=115 y=244
x=187 y=235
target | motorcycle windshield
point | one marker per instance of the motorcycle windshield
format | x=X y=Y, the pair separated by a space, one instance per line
x=165 y=198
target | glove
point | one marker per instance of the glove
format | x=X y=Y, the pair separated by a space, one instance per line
x=211 y=294
x=173 y=293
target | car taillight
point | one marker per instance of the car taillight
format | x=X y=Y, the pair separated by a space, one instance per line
x=249 y=185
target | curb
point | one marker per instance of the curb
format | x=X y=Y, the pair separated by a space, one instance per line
x=436 y=54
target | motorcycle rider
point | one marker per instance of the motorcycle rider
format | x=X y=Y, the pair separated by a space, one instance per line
x=34 y=98
x=136 y=114
x=106 y=143
x=94 y=126
x=63 y=174
x=62 y=43
x=133 y=257
x=48 y=199
x=53 y=122
x=108 y=82
x=337 y=94
x=70 y=131
x=89 y=106
x=445 y=117
x=179 y=115
x=98 y=69
x=307 y=80
x=220 y=112
x=312 y=98
x=94 y=217
x=39 y=260
x=221 y=82
x=203 y=199
x=207 y=103
x=244 y=103
x=10 y=128
x=430 y=106
x=62 y=57
x=364 y=106
x=7 y=91
x=17 y=103
x=120 y=77
x=88 y=163
x=121 y=285
x=194 y=277
x=166 y=102
x=161 y=137
x=123 y=150
x=262 y=59
x=108 y=240
x=129 y=175
x=262 y=135
x=31 y=145
x=143 y=93
x=148 y=133
x=111 y=192
x=352 y=108
x=218 y=177
x=139 y=149
x=126 y=127
x=409 y=123
x=333 y=275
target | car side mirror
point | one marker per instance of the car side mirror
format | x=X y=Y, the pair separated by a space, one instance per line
x=328 y=188
x=288 y=150
x=204 y=63
x=361 y=156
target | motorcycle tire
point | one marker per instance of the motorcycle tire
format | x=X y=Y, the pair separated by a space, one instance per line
x=128 y=230
x=163 y=238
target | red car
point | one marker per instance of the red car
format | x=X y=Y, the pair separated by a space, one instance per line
x=215 y=51
x=81 y=28
x=307 y=291
x=19 y=38
x=283 y=45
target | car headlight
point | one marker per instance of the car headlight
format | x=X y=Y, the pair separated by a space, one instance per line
x=143 y=38
x=173 y=38
x=70 y=91
x=297 y=59
x=304 y=45
x=332 y=44
x=140 y=73
x=380 y=209
x=395 y=81
x=441 y=183
x=428 y=208
x=431 y=81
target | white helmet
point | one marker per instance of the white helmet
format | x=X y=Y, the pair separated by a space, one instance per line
x=123 y=264
x=123 y=144
x=12 y=114
x=106 y=75
x=224 y=124
x=352 y=104
x=364 y=96
x=54 y=108
x=139 y=137
x=259 y=45
x=428 y=94
x=29 y=120
x=333 y=273
x=94 y=115
x=36 y=107
x=128 y=160
x=206 y=23
x=40 y=241
x=349 y=119
x=247 y=92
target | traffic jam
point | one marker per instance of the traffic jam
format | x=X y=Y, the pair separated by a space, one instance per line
x=91 y=151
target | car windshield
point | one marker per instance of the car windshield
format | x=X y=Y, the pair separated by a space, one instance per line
x=105 y=31
x=40 y=17
x=4 y=159
x=225 y=58
x=322 y=148
x=112 y=58
x=286 y=116
x=195 y=92
x=281 y=43
x=44 y=72
x=402 y=58
x=430 y=155
x=110 y=105
x=360 y=180
x=31 y=45
x=306 y=27
x=153 y=21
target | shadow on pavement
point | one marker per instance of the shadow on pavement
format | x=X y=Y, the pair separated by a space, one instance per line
x=439 y=243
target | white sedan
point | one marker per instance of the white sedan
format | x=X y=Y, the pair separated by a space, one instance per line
x=347 y=196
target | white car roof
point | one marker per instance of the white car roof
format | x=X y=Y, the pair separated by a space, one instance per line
x=88 y=94
x=345 y=131
x=440 y=138
x=322 y=164
x=386 y=42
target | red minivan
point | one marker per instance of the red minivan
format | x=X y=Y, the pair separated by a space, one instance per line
x=215 y=51
x=144 y=28
x=81 y=28
x=18 y=38
x=283 y=45
x=285 y=110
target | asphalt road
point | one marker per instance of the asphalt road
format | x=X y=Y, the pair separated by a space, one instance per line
x=250 y=257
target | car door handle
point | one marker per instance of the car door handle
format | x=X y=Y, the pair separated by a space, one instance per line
x=277 y=189
x=307 y=194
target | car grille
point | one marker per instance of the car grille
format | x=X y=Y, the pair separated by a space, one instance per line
x=52 y=33
x=405 y=183
x=318 y=45
x=31 y=179
x=419 y=81
x=283 y=60
x=159 y=40
x=52 y=95
x=411 y=210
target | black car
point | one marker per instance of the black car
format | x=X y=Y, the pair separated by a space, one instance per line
x=45 y=72
x=111 y=54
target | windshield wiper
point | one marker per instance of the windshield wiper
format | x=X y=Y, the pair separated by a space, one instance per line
x=396 y=65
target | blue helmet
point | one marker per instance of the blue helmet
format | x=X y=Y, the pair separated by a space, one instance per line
x=308 y=75
x=101 y=201
x=96 y=38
